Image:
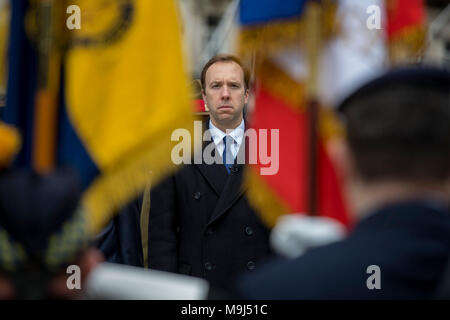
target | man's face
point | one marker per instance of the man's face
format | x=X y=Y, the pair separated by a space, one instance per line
x=225 y=94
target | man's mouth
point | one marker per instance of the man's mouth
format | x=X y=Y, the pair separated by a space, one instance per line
x=226 y=107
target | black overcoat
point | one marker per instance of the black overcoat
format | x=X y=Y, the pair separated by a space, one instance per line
x=201 y=224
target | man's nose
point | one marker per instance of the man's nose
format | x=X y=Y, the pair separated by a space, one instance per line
x=225 y=94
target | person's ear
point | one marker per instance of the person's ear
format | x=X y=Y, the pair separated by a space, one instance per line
x=204 y=100
x=246 y=96
x=340 y=155
x=204 y=95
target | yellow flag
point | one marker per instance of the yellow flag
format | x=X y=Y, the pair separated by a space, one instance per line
x=5 y=12
x=126 y=91
x=10 y=142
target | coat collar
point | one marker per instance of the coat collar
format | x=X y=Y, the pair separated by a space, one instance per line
x=404 y=215
x=228 y=187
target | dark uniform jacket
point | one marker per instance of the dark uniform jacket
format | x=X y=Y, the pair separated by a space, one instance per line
x=120 y=241
x=201 y=224
x=409 y=242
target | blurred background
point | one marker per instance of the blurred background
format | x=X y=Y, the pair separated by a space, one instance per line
x=64 y=83
x=105 y=99
x=210 y=27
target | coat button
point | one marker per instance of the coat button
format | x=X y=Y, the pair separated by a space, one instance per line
x=248 y=231
x=197 y=195
x=251 y=265
x=235 y=169
x=209 y=232
x=209 y=266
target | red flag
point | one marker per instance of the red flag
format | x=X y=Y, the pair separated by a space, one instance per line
x=277 y=34
x=282 y=107
x=405 y=28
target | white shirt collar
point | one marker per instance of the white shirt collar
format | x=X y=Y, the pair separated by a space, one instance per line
x=237 y=133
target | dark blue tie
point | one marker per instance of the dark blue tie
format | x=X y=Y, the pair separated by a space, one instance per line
x=227 y=156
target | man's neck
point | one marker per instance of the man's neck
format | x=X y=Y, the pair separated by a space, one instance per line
x=226 y=126
x=367 y=198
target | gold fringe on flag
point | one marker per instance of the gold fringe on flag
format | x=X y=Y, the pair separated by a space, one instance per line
x=279 y=34
x=263 y=198
x=408 y=45
x=279 y=84
x=128 y=178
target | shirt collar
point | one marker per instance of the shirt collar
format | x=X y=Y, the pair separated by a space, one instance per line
x=237 y=134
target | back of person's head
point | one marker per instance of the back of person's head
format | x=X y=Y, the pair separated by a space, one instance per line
x=43 y=230
x=398 y=127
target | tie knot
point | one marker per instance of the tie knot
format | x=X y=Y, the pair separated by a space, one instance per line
x=228 y=140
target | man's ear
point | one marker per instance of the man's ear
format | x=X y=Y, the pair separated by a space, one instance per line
x=246 y=94
x=340 y=155
x=204 y=100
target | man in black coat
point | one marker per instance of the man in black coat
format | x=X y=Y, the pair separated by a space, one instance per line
x=121 y=241
x=396 y=161
x=200 y=222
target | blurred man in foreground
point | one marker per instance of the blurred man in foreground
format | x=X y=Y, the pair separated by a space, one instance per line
x=46 y=247
x=42 y=230
x=396 y=164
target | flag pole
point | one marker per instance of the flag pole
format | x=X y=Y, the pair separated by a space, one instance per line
x=48 y=82
x=313 y=38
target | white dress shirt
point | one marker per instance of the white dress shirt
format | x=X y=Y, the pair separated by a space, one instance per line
x=237 y=134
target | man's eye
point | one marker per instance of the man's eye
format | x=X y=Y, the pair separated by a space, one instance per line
x=235 y=86
x=215 y=86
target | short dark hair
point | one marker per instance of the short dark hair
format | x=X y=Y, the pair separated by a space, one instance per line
x=400 y=130
x=224 y=58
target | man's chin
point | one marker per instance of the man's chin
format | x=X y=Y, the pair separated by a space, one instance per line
x=227 y=113
x=224 y=120
x=227 y=119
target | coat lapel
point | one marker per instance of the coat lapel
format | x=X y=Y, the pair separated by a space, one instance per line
x=227 y=186
x=233 y=188
x=215 y=174
x=231 y=192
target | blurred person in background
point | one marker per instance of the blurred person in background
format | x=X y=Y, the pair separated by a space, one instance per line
x=395 y=161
